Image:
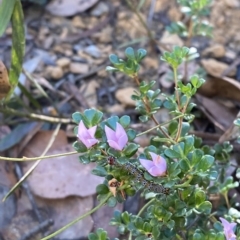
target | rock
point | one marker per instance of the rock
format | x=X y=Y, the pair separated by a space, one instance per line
x=78 y=22
x=7 y=208
x=78 y=68
x=55 y=72
x=217 y=50
x=93 y=51
x=124 y=96
x=63 y=62
x=99 y=9
x=62 y=176
x=116 y=108
x=231 y=54
x=88 y=91
x=216 y=68
x=231 y=3
x=150 y=62
x=171 y=39
x=102 y=218
x=105 y=36
x=174 y=14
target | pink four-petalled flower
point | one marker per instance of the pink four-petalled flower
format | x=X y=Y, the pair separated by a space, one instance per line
x=116 y=139
x=228 y=229
x=157 y=167
x=86 y=136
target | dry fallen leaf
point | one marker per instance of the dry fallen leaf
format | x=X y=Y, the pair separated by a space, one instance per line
x=4 y=81
x=217 y=113
x=221 y=87
x=59 y=177
x=67 y=8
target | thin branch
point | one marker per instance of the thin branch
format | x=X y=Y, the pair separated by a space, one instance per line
x=23 y=159
x=36 y=116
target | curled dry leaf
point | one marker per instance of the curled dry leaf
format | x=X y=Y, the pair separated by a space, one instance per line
x=4 y=81
x=221 y=87
x=66 y=8
x=213 y=109
x=113 y=184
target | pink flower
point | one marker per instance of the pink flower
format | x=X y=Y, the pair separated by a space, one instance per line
x=86 y=136
x=228 y=229
x=116 y=139
x=157 y=167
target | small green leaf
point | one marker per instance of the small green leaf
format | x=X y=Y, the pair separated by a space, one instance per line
x=189 y=143
x=184 y=165
x=77 y=117
x=79 y=147
x=130 y=150
x=102 y=189
x=125 y=217
x=205 y=163
x=141 y=53
x=84 y=159
x=172 y=154
x=205 y=207
x=143 y=118
x=92 y=116
x=129 y=52
x=100 y=171
x=111 y=69
x=200 y=197
x=125 y=121
x=131 y=134
x=112 y=202
x=114 y=59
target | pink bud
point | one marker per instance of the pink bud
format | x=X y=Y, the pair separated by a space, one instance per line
x=116 y=139
x=86 y=136
x=228 y=229
x=157 y=167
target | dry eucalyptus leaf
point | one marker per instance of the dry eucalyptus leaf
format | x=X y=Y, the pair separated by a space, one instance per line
x=68 y=8
x=4 y=81
x=221 y=87
x=218 y=114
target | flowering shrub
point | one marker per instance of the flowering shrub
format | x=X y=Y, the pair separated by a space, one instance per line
x=176 y=173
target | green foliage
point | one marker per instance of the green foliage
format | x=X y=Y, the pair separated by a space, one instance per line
x=6 y=10
x=99 y=235
x=194 y=171
x=150 y=96
x=13 y=9
x=176 y=57
x=131 y=65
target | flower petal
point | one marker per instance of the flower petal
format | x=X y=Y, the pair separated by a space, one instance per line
x=122 y=141
x=157 y=172
x=120 y=131
x=114 y=145
x=92 y=131
x=146 y=163
x=111 y=135
x=154 y=157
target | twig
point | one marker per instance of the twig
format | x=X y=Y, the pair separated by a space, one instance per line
x=146 y=103
x=36 y=116
x=23 y=159
x=37 y=229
